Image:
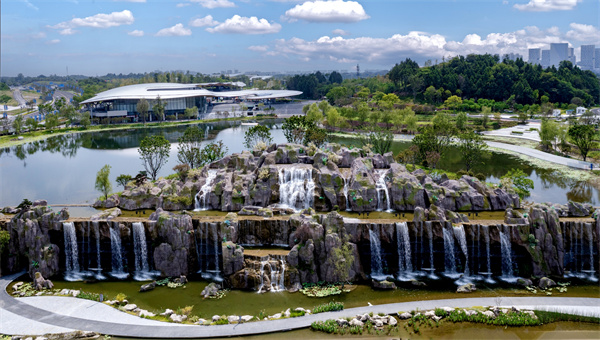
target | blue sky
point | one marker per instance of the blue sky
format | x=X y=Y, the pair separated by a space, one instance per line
x=95 y=37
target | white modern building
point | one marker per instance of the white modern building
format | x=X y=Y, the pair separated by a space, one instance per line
x=535 y=56
x=558 y=53
x=587 y=56
x=122 y=101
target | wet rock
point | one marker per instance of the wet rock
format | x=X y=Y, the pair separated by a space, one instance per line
x=384 y=285
x=40 y=283
x=107 y=214
x=211 y=290
x=130 y=307
x=524 y=282
x=579 y=209
x=148 y=287
x=546 y=283
x=466 y=288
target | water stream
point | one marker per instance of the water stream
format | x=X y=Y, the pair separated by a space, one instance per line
x=450 y=258
x=201 y=198
x=381 y=187
x=506 y=252
x=296 y=188
x=116 y=254
x=72 y=270
x=140 y=249
x=348 y=208
x=405 y=267
x=376 y=267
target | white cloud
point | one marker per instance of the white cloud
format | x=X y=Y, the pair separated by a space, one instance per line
x=547 y=5
x=328 y=11
x=179 y=5
x=67 y=31
x=130 y=1
x=98 y=21
x=245 y=25
x=259 y=48
x=214 y=3
x=136 y=33
x=30 y=5
x=340 y=32
x=422 y=45
x=177 y=30
x=203 y=22
x=587 y=33
x=53 y=41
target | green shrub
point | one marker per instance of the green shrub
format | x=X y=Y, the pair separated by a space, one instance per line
x=297 y=313
x=121 y=297
x=222 y=321
x=328 y=307
x=89 y=296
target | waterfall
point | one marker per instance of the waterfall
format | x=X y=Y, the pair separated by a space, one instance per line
x=506 y=249
x=431 y=268
x=71 y=253
x=450 y=259
x=486 y=236
x=346 y=193
x=117 y=257
x=140 y=249
x=381 y=186
x=214 y=274
x=277 y=274
x=98 y=268
x=201 y=199
x=459 y=233
x=588 y=229
x=376 y=267
x=404 y=258
x=296 y=187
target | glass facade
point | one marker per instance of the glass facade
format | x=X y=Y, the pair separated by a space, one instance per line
x=175 y=105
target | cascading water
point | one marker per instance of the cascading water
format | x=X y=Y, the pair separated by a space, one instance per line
x=201 y=199
x=506 y=252
x=277 y=275
x=140 y=249
x=486 y=236
x=381 y=187
x=591 y=271
x=348 y=208
x=405 y=267
x=450 y=259
x=117 y=257
x=376 y=267
x=296 y=188
x=98 y=268
x=207 y=273
x=459 y=233
x=72 y=272
x=431 y=268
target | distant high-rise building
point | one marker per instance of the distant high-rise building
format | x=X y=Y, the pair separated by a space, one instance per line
x=535 y=55
x=572 y=57
x=513 y=56
x=587 y=56
x=558 y=53
x=597 y=58
x=545 y=58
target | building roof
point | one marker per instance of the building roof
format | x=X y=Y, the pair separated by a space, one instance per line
x=173 y=90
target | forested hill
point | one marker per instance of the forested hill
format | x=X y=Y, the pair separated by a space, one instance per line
x=477 y=77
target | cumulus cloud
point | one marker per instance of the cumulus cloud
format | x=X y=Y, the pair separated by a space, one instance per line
x=547 y=5
x=259 y=48
x=582 y=32
x=67 y=31
x=203 y=22
x=245 y=25
x=136 y=33
x=98 y=21
x=327 y=11
x=214 y=3
x=422 y=45
x=340 y=32
x=175 y=31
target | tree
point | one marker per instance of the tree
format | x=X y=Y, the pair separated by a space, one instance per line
x=317 y=136
x=188 y=150
x=18 y=123
x=431 y=95
x=314 y=114
x=334 y=119
x=485 y=113
x=294 y=129
x=583 y=138
x=380 y=140
x=472 y=148
x=461 y=121
x=257 y=134
x=517 y=180
x=4 y=239
x=400 y=73
x=142 y=108
x=336 y=94
x=453 y=102
x=31 y=123
x=212 y=152
x=103 y=182
x=548 y=133
x=51 y=121
x=159 y=109
x=154 y=153
x=191 y=112
x=335 y=78
x=85 y=121
x=123 y=180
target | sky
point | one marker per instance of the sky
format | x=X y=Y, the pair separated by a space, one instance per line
x=95 y=37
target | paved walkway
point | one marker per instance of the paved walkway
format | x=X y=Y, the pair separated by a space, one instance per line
x=36 y=315
x=570 y=162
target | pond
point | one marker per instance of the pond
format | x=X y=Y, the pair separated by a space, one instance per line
x=62 y=169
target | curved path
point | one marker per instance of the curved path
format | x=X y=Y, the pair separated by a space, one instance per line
x=58 y=312
x=570 y=162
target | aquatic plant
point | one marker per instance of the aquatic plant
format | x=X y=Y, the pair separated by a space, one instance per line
x=328 y=307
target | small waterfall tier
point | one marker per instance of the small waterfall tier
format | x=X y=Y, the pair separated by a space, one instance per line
x=431 y=268
x=459 y=233
x=140 y=249
x=405 y=268
x=346 y=188
x=579 y=254
x=296 y=188
x=72 y=271
x=98 y=268
x=272 y=274
x=383 y=194
x=116 y=257
x=376 y=265
x=201 y=199
x=207 y=243
x=450 y=258
x=506 y=252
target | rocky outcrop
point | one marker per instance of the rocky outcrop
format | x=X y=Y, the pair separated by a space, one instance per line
x=172 y=234
x=253 y=179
